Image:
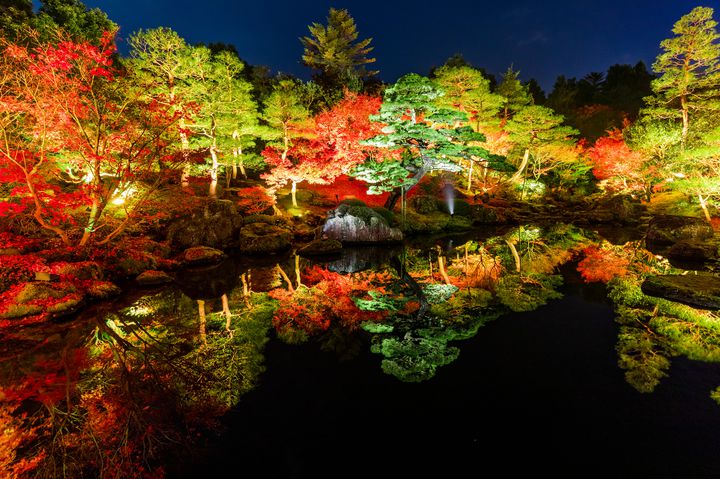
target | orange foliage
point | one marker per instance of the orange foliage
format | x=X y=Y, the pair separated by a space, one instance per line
x=602 y=264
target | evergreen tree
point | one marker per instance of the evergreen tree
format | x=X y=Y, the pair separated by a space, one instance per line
x=227 y=114
x=689 y=71
x=336 y=54
x=426 y=136
x=467 y=90
x=534 y=127
x=536 y=92
x=625 y=87
x=515 y=94
x=80 y=22
x=286 y=114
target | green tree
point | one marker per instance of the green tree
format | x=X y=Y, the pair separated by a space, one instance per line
x=336 y=54
x=80 y=22
x=536 y=92
x=467 y=90
x=162 y=61
x=697 y=171
x=514 y=93
x=625 y=87
x=689 y=71
x=533 y=129
x=13 y=15
x=427 y=137
x=287 y=115
x=227 y=115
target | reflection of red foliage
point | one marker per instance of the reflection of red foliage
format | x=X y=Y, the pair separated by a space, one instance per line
x=601 y=264
x=326 y=298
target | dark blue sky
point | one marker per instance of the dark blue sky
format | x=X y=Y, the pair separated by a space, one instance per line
x=542 y=39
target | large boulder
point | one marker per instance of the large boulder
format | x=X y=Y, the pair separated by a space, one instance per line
x=359 y=224
x=216 y=226
x=698 y=290
x=664 y=230
x=694 y=251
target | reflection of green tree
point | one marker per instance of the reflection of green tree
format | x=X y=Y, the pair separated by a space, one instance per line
x=526 y=293
x=654 y=329
x=413 y=352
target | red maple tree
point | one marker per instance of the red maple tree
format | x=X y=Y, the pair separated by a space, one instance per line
x=334 y=149
x=77 y=139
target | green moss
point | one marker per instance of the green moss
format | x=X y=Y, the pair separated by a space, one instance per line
x=352 y=202
x=385 y=213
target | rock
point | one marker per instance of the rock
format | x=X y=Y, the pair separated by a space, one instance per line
x=79 y=270
x=216 y=226
x=153 y=277
x=264 y=238
x=359 y=224
x=668 y=229
x=424 y=204
x=38 y=297
x=321 y=247
x=486 y=215
x=697 y=290
x=624 y=208
x=103 y=290
x=693 y=251
x=304 y=232
x=201 y=255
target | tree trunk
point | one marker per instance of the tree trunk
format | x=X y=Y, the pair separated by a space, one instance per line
x=286 y=278
x=703 y=205
x=470 y=172
x=297 y=271
x=395 y=194
x=213 y=172
x=441 y=266
x=523 y=165
x=226 y=311
x=294 y=195
x=414 y=286
x=203 y=321
x=185 y=146
x=685 y=119
x=515 y=255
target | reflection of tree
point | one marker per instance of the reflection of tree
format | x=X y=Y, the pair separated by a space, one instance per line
x=133 y=394
x=652 y=330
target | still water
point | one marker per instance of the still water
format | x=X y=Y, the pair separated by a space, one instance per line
x=154 y=384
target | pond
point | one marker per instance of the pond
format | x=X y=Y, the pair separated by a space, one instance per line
x=546 y=373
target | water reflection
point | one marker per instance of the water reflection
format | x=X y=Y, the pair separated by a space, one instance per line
x=128 y=388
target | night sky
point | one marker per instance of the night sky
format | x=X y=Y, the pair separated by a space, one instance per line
x=542 y=39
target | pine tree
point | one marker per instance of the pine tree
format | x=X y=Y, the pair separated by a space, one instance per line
x=514 y=93
x=427 y=137
x=336 y=54
x=690 y=71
